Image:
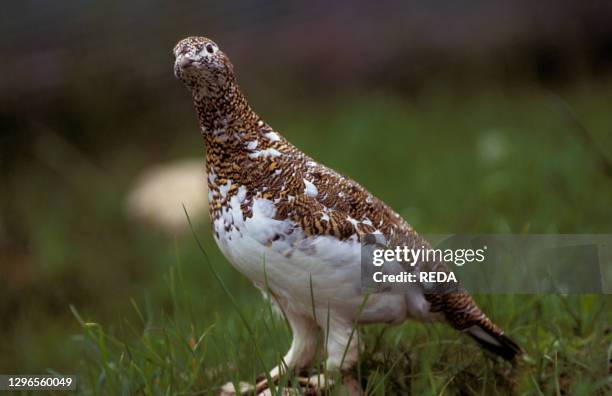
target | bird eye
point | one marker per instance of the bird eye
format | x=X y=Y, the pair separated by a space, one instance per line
x=209 y=48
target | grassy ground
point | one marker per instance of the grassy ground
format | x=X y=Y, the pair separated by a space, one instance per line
x=153 y=319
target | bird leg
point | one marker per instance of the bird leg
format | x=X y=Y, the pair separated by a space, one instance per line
x=300 y=355
x=342 y=354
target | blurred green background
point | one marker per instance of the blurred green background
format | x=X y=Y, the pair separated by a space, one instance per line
x=479 y=117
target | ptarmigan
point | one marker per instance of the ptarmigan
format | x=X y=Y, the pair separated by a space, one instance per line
x=271 y=205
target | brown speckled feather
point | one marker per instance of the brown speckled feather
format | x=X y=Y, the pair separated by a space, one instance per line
x=242 y=150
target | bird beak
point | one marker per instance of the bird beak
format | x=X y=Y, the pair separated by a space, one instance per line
x=183 y=61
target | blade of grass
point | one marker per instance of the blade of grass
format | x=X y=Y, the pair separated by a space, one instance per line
x=229 y=296
x=359 y=312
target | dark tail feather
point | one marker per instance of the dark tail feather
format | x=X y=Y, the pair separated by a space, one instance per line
x=497 y=343
x=461 y=312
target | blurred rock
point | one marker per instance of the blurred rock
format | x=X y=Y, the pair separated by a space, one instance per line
x=492 y=146
x=159 y=193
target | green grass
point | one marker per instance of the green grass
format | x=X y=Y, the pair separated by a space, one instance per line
x=184 y=351
x=152 y=318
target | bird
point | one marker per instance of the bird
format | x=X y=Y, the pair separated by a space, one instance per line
x=294 y=227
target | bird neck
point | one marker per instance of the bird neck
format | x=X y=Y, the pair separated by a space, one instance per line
x=224 y=115
x=233 y=134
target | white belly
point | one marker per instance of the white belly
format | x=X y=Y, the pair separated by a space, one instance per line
x=280 y=246
x=276 y=253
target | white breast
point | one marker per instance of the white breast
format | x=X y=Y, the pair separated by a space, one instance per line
x=291 y=259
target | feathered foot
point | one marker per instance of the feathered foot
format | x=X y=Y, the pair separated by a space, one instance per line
x=308 y=385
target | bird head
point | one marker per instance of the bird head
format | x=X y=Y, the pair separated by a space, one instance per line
x=202 y=66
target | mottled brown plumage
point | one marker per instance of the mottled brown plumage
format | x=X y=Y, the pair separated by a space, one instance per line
x=228 y=124
x=250 y=164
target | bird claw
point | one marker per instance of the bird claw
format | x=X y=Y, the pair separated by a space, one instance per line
x=311 y=385
x=317 y=382
x=229 y=389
